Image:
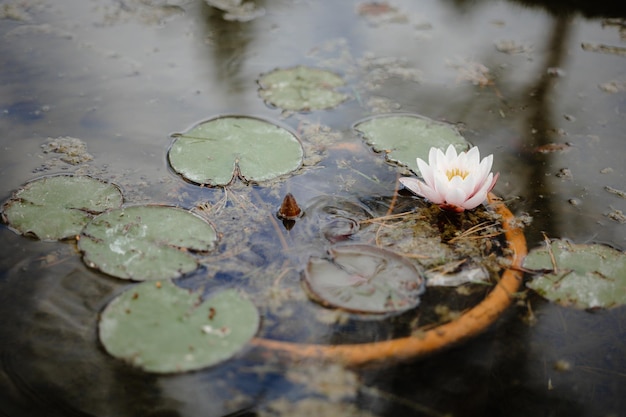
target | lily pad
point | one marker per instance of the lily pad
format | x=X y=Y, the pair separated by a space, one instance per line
x=58 y=207
x=146 y=242
x=364 y=279
x=162 y=328
x=403 y=138
x=582 y=276
x=301 y=89
x=216 y=151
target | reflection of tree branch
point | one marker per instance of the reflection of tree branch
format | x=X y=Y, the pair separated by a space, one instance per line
x=598 y=8
x=541 y=130
x=229 y=40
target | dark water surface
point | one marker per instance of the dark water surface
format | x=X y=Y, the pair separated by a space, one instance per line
x=524 y=82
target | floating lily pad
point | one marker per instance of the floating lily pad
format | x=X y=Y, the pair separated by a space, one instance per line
x=364 y=279
x=162 y=328
x=146 y=242
x=403 y=138
x=216 y=151
x=583 y=276
x=58 y=207
x=301 y=89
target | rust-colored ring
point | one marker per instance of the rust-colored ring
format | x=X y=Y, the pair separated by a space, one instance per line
x=469 y=324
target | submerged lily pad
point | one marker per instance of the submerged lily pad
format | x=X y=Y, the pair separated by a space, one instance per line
x=162 y=328
x=583 y=276
x=146 y=242
x=364 y=279
x=403 y=138
x=216 y=151
x=301 y=89
x=58 y=207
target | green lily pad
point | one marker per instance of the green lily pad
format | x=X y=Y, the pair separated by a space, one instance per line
x=364 y=279
x=162 y=328
x=301 y=89
x=403 y=138
x=58 y=207
x=216 y=151
x=146 y=242
x=582 y=276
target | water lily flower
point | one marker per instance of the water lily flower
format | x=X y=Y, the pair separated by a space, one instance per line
x=454 y=182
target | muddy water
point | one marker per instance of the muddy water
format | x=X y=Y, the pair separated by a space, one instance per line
x=529 y=85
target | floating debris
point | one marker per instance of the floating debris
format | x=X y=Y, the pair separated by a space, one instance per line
x=512 y=47
x=556 y=72
x=440 y=278
x=613 y=87
x=379 y=13
x=565 y=174
x=616 y=215
x=552 y=147
x=237 y=10
x=615 y=191
x=605 y=49
x=474 y=72
x=73 y=151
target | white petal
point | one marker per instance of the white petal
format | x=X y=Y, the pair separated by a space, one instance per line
x=451 y=153
x=431 y=195
x=473 y=154
x=456 y=197
x=473 y=159
x=463 y=158
x=485 y=164
x=470 y=184
x=412 y=184
x=440 y=182
x=426 y=171
x=481 y=173
x=434 y=155
x=481 y=194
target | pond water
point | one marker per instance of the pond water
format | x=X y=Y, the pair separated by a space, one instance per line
x=541 y=88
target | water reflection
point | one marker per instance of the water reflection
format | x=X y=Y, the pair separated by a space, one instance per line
x=123 y=85
x=541 y=132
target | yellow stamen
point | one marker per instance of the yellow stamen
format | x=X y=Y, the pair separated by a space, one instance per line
x=451 y=173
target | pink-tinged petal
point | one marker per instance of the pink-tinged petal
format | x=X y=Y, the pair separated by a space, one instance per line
x=469 y=185
x=464 y=191
x=476 y=182
x=493 y=182
x=419 y=188
x=430 y=194
x=453 y=208
x=482 y=173
x=481 y=194
x=411 y=184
